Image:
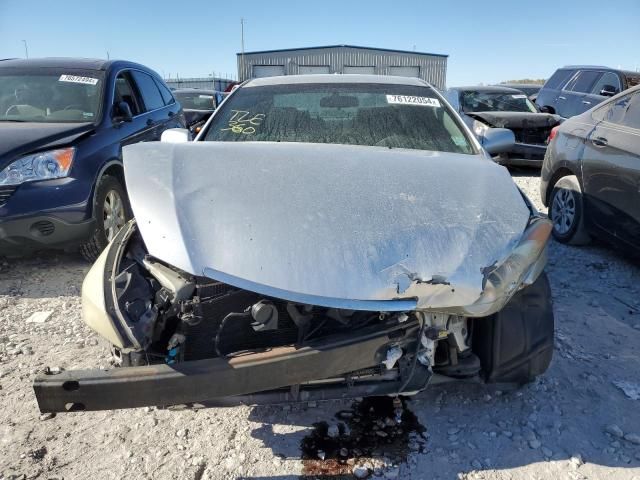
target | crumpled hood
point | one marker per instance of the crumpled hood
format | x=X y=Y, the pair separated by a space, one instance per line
x=330 y=225
x=18 y=138
x=517 y=119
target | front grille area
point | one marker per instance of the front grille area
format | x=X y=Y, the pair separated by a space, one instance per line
x=5 y=193
x=532 y=136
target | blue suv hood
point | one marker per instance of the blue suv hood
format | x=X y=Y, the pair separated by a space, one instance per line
x=18 y=139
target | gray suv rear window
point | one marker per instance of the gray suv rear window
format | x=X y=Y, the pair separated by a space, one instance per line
x=559 y=78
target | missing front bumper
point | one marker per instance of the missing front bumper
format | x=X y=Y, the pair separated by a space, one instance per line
x=202 y=380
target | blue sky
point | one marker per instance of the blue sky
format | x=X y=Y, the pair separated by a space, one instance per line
x=487 y=41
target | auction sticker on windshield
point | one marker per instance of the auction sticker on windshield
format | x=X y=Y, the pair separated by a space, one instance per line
x=411 y=100
x=78 y=79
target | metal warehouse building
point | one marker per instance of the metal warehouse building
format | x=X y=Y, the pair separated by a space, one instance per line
x=431 y=67
x=206 y=83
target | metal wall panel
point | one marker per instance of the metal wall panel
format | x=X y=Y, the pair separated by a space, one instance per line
x=359 y=69
x=432 y=68
x=406 y=71
x=267 y=70
x=207 y=83
x=313 y=69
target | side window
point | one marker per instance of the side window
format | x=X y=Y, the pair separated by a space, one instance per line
x=124 y=92
x=583 y=81
x=607 y=78
x=558 y=78
x=632 y=115
x=166 y=93
x=614 y=112
x=453 y=97
x=151 y=96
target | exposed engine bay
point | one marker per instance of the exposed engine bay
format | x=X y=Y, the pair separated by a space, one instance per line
x=531 y=132
x=181 y=338
x=175 y=317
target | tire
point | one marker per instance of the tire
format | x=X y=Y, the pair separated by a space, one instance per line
x=515 y=345
x=566 y=211
x=111 y=211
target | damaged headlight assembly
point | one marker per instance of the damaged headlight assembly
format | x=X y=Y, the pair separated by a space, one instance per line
x=479 y=128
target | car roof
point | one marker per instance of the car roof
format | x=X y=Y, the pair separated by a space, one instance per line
x=523 y=85
x=194 y=90
x=70 y=62
x=336 y=78
x=487 y=89
x=601 y=67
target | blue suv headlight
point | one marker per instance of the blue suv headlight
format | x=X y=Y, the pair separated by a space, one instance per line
x=38 y=166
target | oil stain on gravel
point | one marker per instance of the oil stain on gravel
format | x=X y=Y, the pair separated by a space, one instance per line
x=369 y=434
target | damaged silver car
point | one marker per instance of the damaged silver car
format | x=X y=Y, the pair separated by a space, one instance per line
x=486 y=108
x=325 y=236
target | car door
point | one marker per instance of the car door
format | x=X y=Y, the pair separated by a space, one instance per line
x=571 y=99
x=135 y=130
x=611 y=168
x=156 y=114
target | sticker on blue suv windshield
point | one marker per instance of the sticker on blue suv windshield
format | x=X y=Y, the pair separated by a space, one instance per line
x=411 y=100
x=78 y=79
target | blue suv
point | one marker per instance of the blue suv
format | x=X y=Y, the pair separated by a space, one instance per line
x=63 y=123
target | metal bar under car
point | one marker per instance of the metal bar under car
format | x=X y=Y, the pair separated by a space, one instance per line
x=201 y=380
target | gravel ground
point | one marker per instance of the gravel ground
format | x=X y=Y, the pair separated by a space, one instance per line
x=580 y=420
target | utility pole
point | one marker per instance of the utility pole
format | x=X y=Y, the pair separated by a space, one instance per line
x=241 y=46
x=26 y=50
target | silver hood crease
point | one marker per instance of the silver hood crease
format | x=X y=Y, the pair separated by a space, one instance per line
x=331 y=225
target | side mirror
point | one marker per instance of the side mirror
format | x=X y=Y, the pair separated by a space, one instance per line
x=545 y=109
x=608 y=91
x=175 y=135
x=122 y=112
x=497 y=140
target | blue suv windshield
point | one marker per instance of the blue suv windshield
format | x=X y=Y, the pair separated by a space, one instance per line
x=50 y=96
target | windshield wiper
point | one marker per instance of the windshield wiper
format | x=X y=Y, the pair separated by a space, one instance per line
x=11 y=120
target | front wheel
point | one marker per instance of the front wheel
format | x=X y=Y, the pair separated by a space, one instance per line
x=515 y=345
x=566 y=211
x=111 y=212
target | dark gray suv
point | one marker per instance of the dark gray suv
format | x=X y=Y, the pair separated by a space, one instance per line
x=573 y=90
